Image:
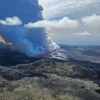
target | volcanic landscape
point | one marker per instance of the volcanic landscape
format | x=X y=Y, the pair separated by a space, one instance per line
x=24 y=77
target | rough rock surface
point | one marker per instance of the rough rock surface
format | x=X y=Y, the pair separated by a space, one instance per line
x=47 y=79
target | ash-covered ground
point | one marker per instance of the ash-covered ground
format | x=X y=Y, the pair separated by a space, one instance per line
x=64 y=76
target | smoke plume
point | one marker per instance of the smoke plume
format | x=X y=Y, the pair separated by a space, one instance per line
x=14 y=14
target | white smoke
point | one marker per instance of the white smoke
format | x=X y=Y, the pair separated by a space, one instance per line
x=32 y=42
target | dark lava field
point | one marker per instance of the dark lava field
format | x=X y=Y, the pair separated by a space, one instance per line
x=25 y=78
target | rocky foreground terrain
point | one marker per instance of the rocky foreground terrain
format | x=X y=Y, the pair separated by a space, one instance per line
x=48 y=79
x=23 y=78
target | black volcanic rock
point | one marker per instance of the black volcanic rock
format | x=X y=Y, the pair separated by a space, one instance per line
x=43 y=67
x=46 y=79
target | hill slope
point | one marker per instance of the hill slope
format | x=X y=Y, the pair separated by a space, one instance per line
x=47 y=79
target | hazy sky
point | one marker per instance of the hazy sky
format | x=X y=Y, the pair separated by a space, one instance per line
x=78 y=20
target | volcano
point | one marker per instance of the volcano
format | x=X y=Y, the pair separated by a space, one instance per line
x=32 y=42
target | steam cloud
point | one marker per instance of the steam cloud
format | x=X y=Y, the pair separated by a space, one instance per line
x=13 y=15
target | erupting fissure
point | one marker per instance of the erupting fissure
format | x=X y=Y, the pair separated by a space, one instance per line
x=14 y=14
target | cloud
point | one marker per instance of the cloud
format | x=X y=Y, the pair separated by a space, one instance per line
x=91 y=21
x=63 y=23
x=66 y=25
x=11 y=21
x=85 y=33
x=72 y=8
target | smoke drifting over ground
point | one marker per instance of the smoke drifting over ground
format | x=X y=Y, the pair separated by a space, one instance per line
x=13 y=15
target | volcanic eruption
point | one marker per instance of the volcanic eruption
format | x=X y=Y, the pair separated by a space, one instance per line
x=14 y=14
